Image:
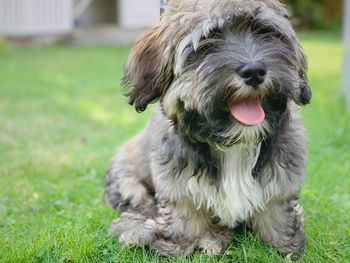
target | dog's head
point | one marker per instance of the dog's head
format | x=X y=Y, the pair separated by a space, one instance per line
x=223 y=70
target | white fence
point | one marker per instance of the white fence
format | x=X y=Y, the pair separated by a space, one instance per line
x=40 y=17
x=345 y=83
x=35 y=17
x=138 y=13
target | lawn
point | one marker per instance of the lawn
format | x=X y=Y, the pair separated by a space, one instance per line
x=62 y=115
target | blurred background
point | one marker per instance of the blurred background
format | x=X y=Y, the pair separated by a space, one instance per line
x=68 y=18
x=63 y=114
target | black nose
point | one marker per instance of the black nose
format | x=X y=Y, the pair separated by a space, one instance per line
x=253 y=73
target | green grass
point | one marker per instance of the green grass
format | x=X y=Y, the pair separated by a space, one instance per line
x=62 y=115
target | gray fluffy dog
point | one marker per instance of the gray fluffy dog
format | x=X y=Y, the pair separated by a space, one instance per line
x=224 y=145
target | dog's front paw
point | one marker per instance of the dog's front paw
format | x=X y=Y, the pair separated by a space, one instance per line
x=130 y=239
x=211 y=247
x=213 y=243
x=135 y=238
x=133 y=233
x=173 y=248
x=293 y=246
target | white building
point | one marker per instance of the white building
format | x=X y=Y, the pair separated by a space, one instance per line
x=42 y=17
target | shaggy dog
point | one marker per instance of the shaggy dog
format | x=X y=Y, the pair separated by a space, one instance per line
x=224 y=145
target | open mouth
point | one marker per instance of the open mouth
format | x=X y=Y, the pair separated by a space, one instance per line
x=248 y=111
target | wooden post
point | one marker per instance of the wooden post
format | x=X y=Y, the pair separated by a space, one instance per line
x=345 y=80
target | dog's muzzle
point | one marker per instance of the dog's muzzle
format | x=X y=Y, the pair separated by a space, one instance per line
x=253 y=74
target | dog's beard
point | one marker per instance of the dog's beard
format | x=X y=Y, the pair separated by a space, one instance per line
x=248 y=117
x=240 y=133
x=205 y=117
x=228 y=130
x=218 y=127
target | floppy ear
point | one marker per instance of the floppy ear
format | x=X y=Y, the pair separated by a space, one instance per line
x=304 y=93
x=148 y=71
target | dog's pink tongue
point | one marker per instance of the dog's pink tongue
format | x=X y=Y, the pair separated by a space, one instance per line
x=248 y=112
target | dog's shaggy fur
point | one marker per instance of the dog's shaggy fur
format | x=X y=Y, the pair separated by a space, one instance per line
x=196 y=172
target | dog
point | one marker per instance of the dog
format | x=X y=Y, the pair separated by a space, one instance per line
x=225 y=144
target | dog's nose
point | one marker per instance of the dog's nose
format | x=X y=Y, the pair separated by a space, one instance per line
x=253 y=73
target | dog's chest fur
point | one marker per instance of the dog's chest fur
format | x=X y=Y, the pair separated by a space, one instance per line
x=239 y=194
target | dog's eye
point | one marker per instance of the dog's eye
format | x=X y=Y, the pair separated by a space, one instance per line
x=268 y=30
x=270 y=33
x=265 y=31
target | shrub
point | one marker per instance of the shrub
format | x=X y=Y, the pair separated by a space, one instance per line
x=317 y=14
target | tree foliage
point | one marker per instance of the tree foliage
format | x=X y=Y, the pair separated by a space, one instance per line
x=317 y=14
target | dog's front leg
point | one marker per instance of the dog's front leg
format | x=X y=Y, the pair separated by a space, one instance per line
x=179 y=227
x=280 y=225
x=182 y=227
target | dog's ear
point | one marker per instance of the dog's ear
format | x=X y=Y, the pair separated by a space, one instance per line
x=304 y=94
x=148 y=71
